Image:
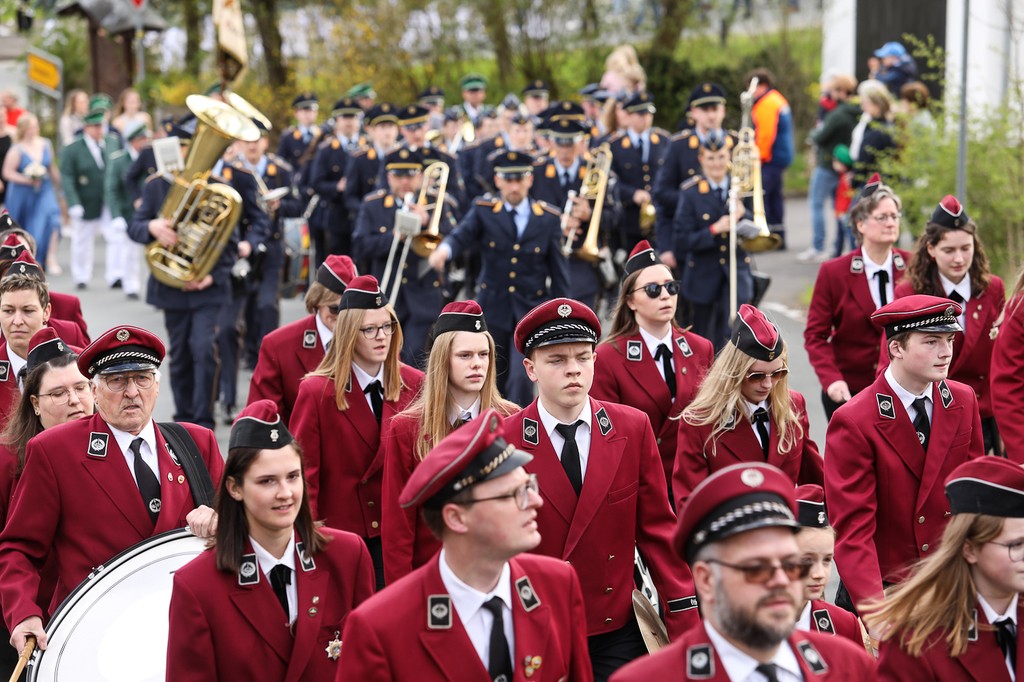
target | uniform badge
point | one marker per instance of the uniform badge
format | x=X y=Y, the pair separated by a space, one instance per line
x=439 y=612
x=304 y=559
x=527 y=596
x=823 y=621
x=633 y=351
x=154 y=505
x=684 y=346
x=60 y=346
x=334 y=647
x=812 y=658
x=248 y=571
x=972 y=632
x=274 y=435
x=898 y=262
x=564 y=310
x=378 y=300
x=530 y=431
x=731 y=422
x=309 y=338
x=122 y=335
x=603 y=422
x=98 y=444
x=21 y=269
x=945 y=394
x=549 y=171
x=531 y=664
x=700 y=662
x=885 y=406
x=477 y=325
x=684 y=604
x=694 y=142
x=821 y=518
x=170 y=453
x=752 y=477
x=83 y=179
x=857 y=265
x=5 y=369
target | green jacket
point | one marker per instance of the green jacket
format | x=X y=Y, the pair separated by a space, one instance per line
x=835 y=129
x=116 y=194
x=81 y=178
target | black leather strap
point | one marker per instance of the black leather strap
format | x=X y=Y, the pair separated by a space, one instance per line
x=198 y=476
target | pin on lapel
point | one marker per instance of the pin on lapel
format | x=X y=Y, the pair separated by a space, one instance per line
x=334 y=647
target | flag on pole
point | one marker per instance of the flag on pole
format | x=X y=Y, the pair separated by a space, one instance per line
x=232 y=55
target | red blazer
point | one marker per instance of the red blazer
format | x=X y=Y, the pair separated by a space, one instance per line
x=342 y=450
x=286 y=356
x=983 y=660
x=840 y=338
x=821 y=657
x=622 y=507
x=70 y=333
x=1007 y=370
x=972 y=350
x=221 y=629
x=632 y=377
x=697 y=457
x=68 y=308
x=8 y=467
x=829 y=619
x=77 y=496
x=884 y=494
x=410 y=631
x=406 y=541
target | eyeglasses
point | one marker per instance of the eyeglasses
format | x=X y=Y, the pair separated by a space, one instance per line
x=762 y=571
x=119 y=382
x=371 y=332
x=521 y=494
x=886 y=217
x=1014 y=549
x=62 y=395
x=758 y=377
x=334 y=309
x=653 y=290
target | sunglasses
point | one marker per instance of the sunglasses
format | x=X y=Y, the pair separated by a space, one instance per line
x=653 y=290
x=762 y=571
x=334 y=309
x=758 y=377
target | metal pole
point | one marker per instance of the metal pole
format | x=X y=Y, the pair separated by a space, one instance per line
x=961 y=161
x=140 y=49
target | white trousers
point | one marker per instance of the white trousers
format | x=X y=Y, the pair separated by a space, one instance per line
x=83 y=239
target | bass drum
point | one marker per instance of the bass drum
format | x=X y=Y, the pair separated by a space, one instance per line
x=296 y=273
x=114 y=625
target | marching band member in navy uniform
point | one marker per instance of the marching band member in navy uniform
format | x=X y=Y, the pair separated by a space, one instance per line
x=345 y=405
x=298 y=140
x=270 y=598
x=330 y=221
x=701 y=226
x=517 y=136
x=520 y=245
x=602 y=482
x=647 y=361
x=365 y=170
x=745 y=411
x=958 y=617
x=736 y=532
x=480 y=609
x=460 y=383
x=289 y=353
x=890 y=445
x=412 y=124
x=115 y=466
x=422 y=293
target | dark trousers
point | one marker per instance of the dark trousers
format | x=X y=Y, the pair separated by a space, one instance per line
x=194 y=363
x=991 y=433
x=262 y=308
x=612 y=650
x=230 y=327
x=711 y=320
x=377 y=556
x=830 y=405
x=513 y=383
x=774 y=206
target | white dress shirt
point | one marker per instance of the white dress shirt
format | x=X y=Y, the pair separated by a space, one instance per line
x=149 y=456
x=652 y=344
x=870 y=268
x=365 y=380
x=520 y=215
x=549 y=423
x=964 y=289
x=268 y=561
x=94 y=148
x=17 y=362
x=749 y=408
x=908 y=398
x=459 y=412
x=743 y=668
x=325 y=332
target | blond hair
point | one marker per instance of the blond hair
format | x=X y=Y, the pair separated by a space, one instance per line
x=720 y=399
x=337 y=362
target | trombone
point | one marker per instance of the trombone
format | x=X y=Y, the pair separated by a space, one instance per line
x=407 y=227
x=745 y=181
x=593 y=188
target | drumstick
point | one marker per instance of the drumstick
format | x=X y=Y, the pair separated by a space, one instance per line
x=26 y=653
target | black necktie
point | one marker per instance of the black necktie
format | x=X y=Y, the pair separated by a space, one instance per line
x=280 y=576
x=149 y=486
x=500 y=665
x=1006 y=635
x=768 y=670
x=376 y=392
x=565 y=179
x=761 y=424
x=956 y=297
x=571 y=455
x=665 y=355
x=883 y=280
x=921 y=423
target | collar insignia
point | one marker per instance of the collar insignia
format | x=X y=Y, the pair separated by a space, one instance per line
x=527 y=596
x=98 y=444
x=439 y=612
x=531 y=434
x=684 y=346
x=305 y=560
x=823 y=621
x=603 y=422
x=5 y=369
x=170 y=453
x=885 y=406
x=945 y=394
x=249 y=571
x=700 y=662
x=898 y=262
x=634 y=351
x=857 y=265
x=309 y=338
x=811 y=657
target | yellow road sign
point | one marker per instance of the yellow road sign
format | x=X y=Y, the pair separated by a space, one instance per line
x=44 y=72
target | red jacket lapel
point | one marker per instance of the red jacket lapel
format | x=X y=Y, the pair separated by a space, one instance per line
x=554 y=484
x=645 y=371
x=895 y=426
x=360 y=414
x=606 y=449
x=311 y=586
x=946 y=416
x=449 y=647
x=532 y=628
x=110 y=471
x=258 y=605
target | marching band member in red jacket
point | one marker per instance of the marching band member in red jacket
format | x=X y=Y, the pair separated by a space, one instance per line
x=1007 y=370
x=460 y=383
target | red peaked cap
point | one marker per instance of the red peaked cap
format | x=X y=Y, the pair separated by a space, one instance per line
x=919 y=313
x=259 y=426
x=336 y=272
x=754 y=335
x=363 y=293
x=122 y=349
x=560 y=320
x=950 y=213
x=641 y=257
x=872 y=185
x=987 y=485
x=460 y=316
x=810 y=502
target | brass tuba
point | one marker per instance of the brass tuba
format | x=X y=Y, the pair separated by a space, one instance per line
x=593 y=188
x=203 y=214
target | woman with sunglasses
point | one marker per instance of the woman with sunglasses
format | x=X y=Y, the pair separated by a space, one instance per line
x=841 y=341
x=647 y=361
x=345 y=405
x=950 y=262
x=54 y=391
x=269 y=599
x=957 y=616
x=745 y=412
x=460 y=384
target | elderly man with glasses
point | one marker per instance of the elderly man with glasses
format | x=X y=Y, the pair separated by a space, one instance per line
x=93 y=487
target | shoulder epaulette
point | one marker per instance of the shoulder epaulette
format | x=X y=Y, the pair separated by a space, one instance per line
x=117 y=154
x=279 y=162
x=486 y=200
x=158 y=174
x=682 y=134
x=360 y=152
x=238 y=166
x=691 y=182
x=545 y=206
x=661 y=131
x=375 y=195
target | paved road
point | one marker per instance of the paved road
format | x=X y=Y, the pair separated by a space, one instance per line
x=791 y=280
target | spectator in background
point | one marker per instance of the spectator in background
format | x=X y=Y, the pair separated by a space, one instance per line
x=128 y=113
x=623 y=73
x=836 y=129
x=773 y=134
x=9 y=101
x=872 y=136
x=913 y=108
x=892 y=66
x=72 y=121
x=5 y=146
